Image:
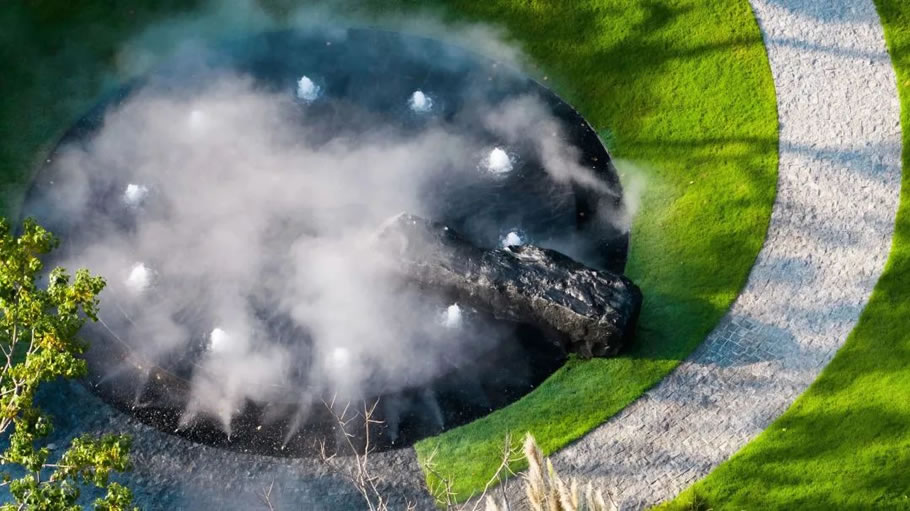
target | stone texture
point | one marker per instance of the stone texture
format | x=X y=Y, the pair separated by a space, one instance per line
x=593 y=312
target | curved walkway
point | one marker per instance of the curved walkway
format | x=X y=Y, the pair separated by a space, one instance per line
x=830 y=232
x=829 y=237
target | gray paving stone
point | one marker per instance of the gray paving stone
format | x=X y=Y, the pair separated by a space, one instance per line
x=829 y=237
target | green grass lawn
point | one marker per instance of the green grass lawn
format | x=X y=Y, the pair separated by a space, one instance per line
x=685 y=89
x=56 y=57
x=682 y=88
x=845 y=443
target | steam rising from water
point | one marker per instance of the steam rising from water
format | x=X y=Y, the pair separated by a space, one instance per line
x=453 y=316
x=197 y=120
x=135 y=194
x=140 y=278
x=257 y=216
x=219 y=341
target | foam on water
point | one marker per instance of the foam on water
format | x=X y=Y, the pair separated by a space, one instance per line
x=135 y=194
x=420 y=102
x=499 y=161
x=139 y=279
x=306 y=89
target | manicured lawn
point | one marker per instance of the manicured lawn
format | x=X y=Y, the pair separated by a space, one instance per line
x=845 y=443
x=682 y=89
x=686 y=91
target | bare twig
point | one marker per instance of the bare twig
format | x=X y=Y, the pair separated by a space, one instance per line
x=359 y=475
x=545 y=489
x=266 y=496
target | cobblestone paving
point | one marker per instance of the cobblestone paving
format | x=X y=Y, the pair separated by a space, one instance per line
x=827 y=243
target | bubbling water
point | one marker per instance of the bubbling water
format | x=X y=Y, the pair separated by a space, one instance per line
x=269 y=338
x=135 y=194
x=220 y=341
x=307 y=90
x=420 y=102
x=339 y=359
x=499 y=161
x=512 y=239
x=139 y=279
x=453 y=316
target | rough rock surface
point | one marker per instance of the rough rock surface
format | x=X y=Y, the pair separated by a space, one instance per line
x=173 y=473
x=594 y=312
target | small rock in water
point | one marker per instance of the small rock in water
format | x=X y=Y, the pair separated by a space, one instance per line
x=140 y=278
x=453 y=316
x=499 y=161
x=306 y=89
x=513 y=239
x=135 y=194
x=420 y=102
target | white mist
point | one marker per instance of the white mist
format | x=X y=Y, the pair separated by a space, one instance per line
x=135 y=194
x=453 y=316
x=513 y=239
x=139 y=279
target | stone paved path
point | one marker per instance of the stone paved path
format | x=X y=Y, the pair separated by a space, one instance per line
x=828 y=240
x=829 y=237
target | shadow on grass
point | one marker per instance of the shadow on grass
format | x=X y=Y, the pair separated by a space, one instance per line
x=683 y=87
x=818 y=458
x=845 y=443
x=662 y=83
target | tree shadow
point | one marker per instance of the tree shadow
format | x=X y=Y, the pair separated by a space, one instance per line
x=68 y=50
x=820 y=458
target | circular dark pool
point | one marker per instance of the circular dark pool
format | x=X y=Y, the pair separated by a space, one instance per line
x=129 y=173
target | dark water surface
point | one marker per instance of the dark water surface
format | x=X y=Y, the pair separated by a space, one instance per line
x=366 y=78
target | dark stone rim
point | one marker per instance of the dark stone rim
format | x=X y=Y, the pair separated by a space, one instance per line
x=250 y=435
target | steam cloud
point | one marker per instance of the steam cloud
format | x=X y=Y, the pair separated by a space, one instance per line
x=237 y=216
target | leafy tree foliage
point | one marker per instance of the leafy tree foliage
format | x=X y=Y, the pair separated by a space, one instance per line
x=39 y=328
